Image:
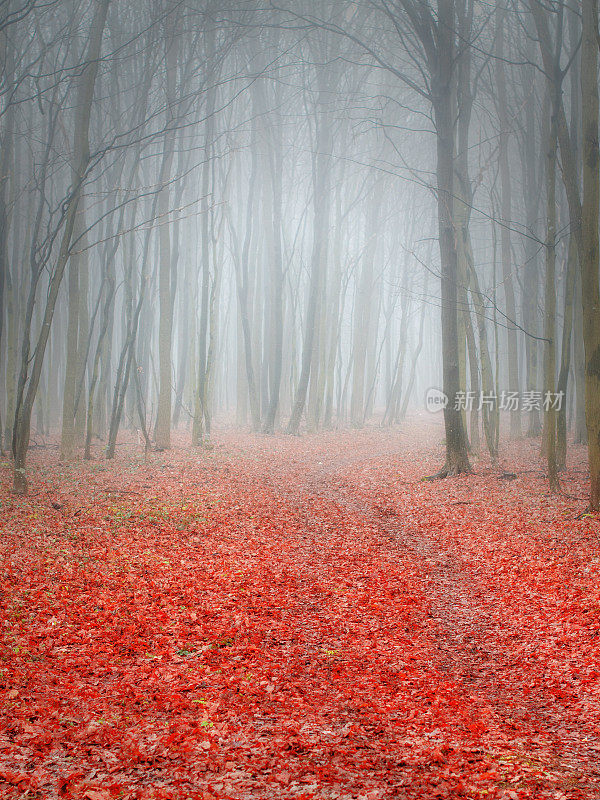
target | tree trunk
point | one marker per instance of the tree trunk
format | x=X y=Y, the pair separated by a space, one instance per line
x=363 y=308
x=589 y=238
x=6 y=150
x=162 y=431
x=200 y=408
x=531 y=271
x=505 y=214
x=81 y=162
x=457 y=459
x=109 y=289
x=565 y=357
x=550 y=306
x=415 y=359
x=321 y=201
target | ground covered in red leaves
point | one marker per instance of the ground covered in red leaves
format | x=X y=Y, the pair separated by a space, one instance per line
x=299 y=618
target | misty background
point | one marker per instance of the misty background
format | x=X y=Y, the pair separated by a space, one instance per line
x=291 y=216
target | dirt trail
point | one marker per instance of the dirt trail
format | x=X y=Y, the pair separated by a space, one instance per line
x=483 y=652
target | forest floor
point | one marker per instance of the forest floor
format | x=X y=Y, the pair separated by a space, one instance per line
x=299 y=618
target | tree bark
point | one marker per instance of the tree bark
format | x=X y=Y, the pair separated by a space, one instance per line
x=505 y=213
x=162 y=431
x=550 y=304
x=321 y=202
x=457 y=459
x=589 y=240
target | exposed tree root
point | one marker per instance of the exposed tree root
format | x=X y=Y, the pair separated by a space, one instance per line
x=450 y=471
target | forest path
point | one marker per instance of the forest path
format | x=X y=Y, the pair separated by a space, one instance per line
x=482 y=611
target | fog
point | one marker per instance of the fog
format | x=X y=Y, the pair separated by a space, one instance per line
x=292 y=217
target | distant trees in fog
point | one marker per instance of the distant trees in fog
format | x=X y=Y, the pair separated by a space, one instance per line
x=301 y=214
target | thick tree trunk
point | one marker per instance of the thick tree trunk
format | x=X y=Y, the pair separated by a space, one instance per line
x=589 y=240
x=457 y=459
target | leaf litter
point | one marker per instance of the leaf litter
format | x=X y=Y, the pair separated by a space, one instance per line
x=300 y=618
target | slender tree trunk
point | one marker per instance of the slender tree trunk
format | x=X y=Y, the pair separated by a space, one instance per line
x=473 y=376
x=81 y=162
x=6 y=151
x=506 y=213
x=162 y=431
x=127 y=355
x=242 y=272
x=410 y=384
x=565 y=356
x=392 y=410
x=67 y=442
x=185 y=314
x=84 y=335
x=321 y=172
x=333 y=331
x=276 y=316
x=550 y=306
x=199 y=431
x=363 y=307
x=130 y=332
x=531 y=271
x=109 y=289
x=13 y=293
x=580 y=433
x=275 y=319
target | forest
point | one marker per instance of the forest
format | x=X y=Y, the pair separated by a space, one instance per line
x=299 y=399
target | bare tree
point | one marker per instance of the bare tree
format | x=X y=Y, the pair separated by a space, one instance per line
x=81 y=162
